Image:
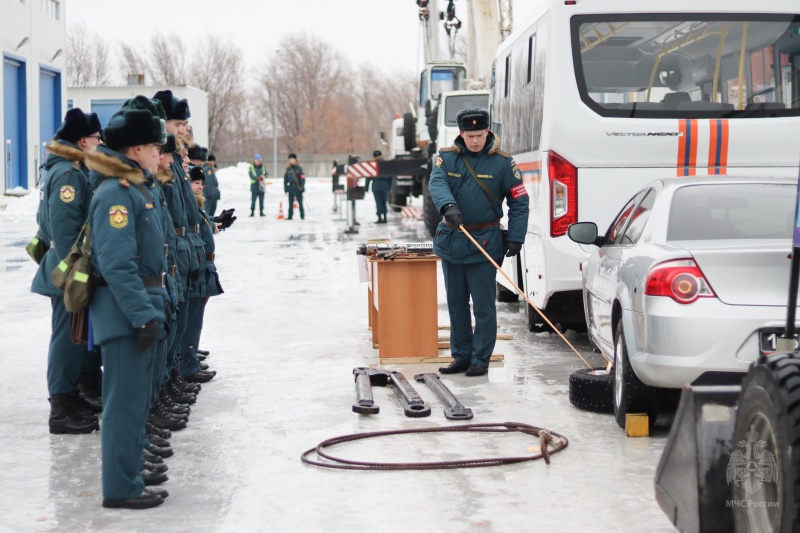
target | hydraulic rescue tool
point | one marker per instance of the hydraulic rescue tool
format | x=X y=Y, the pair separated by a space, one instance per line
x=390 y=251
x=365 y=379
x=413 y=405
x=455 y=409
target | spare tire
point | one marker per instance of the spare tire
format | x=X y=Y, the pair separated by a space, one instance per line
x=764 y=467
x=592 y=390
x=409 y=132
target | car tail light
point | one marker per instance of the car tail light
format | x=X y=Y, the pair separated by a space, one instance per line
x=564 y=194
x=681 y=279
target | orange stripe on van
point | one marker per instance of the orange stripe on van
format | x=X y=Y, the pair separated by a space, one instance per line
x=713 y=161
x=531 y=172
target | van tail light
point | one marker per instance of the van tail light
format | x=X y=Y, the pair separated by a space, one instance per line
x=680 y=279
x=564 y=194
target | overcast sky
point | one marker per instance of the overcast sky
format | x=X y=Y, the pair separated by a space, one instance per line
x=381 y=32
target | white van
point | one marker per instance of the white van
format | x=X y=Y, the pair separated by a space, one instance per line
x=594 y=99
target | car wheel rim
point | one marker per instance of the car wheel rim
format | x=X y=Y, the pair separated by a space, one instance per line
x=761 y=496
x=618 y=372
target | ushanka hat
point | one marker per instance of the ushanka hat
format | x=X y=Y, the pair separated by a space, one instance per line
x=174 y=108
x=473 y=119
x=77 y=125
x=135 y=124
x=198 y=152
x=197 y=173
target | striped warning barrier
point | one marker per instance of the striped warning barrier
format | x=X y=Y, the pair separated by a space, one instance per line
x=411 y=212
x=367 y=169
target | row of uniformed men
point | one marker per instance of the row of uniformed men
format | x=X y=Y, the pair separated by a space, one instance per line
x=153 y=257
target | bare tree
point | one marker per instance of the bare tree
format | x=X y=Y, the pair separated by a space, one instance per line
x=134 y=61
x=218 y=69
x=168 y=60
x=87 y=58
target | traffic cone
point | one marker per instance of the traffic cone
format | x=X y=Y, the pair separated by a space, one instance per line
x=295 y=206
x=280 y=212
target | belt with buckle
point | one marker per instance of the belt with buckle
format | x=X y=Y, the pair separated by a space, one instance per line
x=173 y=270
x=194 y=229
x=180 y=231
x=210 y=257
x=482 y=225
x=149 y=282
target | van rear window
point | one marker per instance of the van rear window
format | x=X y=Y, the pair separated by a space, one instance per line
x=704 y=66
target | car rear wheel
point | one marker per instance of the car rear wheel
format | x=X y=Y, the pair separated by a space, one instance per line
x=630 y=394
x=592 y=389
x=764 y=468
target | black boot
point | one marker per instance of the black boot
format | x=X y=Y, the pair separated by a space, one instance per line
x=153 y=430
x=153 y=478
x=90 y=389
x=172 y=405
x=145 y=500
x=184 y=385
x=252 y=213
x=69 y=416
x=186 y=398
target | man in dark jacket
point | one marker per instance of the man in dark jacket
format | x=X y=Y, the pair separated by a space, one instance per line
x=129 y=305
x=294 y=183
x=380 y=190
x=467 y=184
x=63 y=208
x=258 y=184
x=211 y=188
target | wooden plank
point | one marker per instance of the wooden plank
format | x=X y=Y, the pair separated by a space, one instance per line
x=440 y=360
x=500 y=337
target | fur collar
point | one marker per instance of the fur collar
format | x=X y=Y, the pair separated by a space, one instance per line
x=67 y=151
x=165 y=177
x=113 y=167
x=495 y=148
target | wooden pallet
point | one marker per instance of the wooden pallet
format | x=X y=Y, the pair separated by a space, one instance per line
x=446 y=360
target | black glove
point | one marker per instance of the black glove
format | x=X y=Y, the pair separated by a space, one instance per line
x=147 y=335
x=226 y=218
x=452 y=216
x=513 y=248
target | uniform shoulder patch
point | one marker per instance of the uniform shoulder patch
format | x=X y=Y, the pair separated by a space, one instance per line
x=515 y=170
x=439 y=161
x=502 y=153
x=66 y=193
x=118 y=216
x=124 y=183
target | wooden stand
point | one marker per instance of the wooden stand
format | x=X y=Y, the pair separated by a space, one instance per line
x=403 y=307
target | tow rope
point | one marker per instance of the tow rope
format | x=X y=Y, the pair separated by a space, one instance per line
x=550 y=443
x=520 y=291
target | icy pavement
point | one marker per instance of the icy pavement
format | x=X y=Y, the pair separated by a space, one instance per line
x=284 y=339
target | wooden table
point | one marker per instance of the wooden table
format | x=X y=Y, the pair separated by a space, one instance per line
x=403 y=306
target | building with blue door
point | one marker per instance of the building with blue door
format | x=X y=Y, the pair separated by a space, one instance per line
x=105 y=101
x=33 y=88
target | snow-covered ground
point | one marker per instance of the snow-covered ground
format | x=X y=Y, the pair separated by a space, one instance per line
x=284 y=339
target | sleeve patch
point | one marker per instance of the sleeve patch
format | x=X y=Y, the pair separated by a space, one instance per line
x=439 y=161
x=66 y=193
x=118 y=216
x=518 y=191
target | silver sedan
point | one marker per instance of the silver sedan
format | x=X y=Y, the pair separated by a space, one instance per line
x=689 y=284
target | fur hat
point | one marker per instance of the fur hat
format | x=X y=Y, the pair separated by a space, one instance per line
x=377 y=153
x=198 y=152
x=292 y=156
x=174 y=108
x=197 y=173
x=473 y=119
x=211 y=157
x=170 y=146
x=77 y=125
x=136 y=123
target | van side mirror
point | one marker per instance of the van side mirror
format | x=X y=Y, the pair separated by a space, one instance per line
x=584 y=233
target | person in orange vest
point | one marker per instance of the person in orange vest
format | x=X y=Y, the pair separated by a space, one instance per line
x=258 y=184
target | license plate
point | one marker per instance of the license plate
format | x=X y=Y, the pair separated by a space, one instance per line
x=768 y=340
